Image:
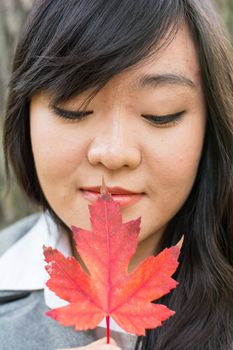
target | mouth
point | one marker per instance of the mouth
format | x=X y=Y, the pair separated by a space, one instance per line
x=124 y=197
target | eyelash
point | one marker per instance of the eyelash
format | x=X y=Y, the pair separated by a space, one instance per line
x=162 y=120
x=71 y=115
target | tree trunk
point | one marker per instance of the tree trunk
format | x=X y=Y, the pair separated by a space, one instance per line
x=12 y=15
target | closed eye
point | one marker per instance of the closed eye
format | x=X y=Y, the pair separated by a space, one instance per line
x=71 y=115
x=154 y=119
x=166 y=119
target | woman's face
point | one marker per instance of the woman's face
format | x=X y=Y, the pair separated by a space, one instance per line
x=156 y=158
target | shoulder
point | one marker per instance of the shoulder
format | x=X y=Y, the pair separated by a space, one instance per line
x=24 y=316
x=14 y=232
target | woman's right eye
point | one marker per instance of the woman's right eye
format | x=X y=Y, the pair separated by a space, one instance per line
x=70 y=115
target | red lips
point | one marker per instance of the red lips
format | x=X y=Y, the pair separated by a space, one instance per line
x=124 y=197
x=112 y=190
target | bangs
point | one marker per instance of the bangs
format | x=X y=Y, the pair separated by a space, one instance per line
x=81 y=45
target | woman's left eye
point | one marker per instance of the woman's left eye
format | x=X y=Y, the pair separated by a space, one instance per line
x=70 y=115
x=167 y=119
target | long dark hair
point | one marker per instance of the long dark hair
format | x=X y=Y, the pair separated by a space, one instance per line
x=69 y=46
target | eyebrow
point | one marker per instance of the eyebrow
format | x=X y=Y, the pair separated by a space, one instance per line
x=157 y=80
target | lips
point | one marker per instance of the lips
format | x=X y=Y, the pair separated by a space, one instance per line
x=112 y=190
x=124 y=197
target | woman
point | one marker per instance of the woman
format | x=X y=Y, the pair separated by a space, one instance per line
x=140 y=93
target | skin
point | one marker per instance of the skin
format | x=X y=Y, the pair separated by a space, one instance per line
x=116 y=141
x=99 y=345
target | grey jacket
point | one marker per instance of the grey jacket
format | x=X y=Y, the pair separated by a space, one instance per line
x=23 y=324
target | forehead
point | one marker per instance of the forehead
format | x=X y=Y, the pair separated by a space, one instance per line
x=175 y=65
x=176 y=62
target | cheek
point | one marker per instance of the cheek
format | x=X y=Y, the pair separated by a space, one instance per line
x=57 y=151
x=175 y=158
x=184 y=156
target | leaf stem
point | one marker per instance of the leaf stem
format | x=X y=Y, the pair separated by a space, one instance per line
x=108 y=328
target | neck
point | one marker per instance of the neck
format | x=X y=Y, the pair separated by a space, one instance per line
x=147 y=247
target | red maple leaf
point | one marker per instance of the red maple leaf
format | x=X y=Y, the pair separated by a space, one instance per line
x=108 y=289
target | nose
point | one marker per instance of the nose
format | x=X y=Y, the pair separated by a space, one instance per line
x=114 y=146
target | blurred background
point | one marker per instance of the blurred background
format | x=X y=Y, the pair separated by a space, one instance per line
x=12 y=16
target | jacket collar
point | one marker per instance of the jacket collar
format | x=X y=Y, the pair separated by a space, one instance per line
x=22 y=266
